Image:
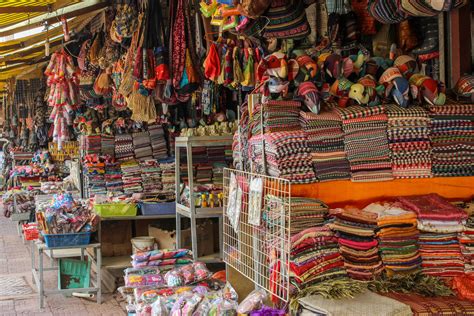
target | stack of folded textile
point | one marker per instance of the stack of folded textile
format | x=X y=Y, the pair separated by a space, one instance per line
x=466 y=239
x=94 y=170
x=315 y=257
x=203 y=173
x=151 y=177
x=439 y=223
x=113 y=177
x=218 y=173
x=216 y=153
x=91 y=144
x=357 y=243
x=398 y=237
x=285 y=155
x=124 y=147
x=452 y=139
x=158 y=141
x=326 y=140
x=409 y=141
x=365 y=142
x=108 y=145
x=131 y=177
x=306 y=213
x=141 y=146
x=168 y=178
x=161 y=258
x=278 y=116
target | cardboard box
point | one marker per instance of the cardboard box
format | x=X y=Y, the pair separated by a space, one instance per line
x=205 y=239
x=164 y=238
x=116 y=238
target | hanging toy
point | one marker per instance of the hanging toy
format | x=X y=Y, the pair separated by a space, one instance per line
x=427 y=89
x=396 y=86
x=311 y=96
x=67 y=37
x=464 y=88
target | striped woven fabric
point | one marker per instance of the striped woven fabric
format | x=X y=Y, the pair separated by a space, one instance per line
x=326 y=141
x=358 y=111
x=283 y=154
x=452 y=139
x=408 y=133
x=366 y=144
x=440 y=306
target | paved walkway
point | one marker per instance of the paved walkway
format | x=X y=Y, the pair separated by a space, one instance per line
x=15 y=266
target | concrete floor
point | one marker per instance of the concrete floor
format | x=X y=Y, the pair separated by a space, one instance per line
x=15 y=262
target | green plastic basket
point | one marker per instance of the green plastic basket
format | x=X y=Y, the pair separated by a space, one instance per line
x=116 y=209
x=74 y=274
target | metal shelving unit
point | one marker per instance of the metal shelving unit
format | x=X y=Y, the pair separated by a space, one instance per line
x=192 y=212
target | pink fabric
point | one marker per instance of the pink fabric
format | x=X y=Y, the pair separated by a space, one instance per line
x=360 y=245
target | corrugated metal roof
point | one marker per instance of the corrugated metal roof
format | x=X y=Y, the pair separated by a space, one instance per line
x=12 y=18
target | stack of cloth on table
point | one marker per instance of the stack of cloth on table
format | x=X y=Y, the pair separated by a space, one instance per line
x=284 y=154
x=466 y=240
x=141 y=146
x=216 y=153
x=91 y=144
x=452 y=139
x=161 y=258
x=151 y=178
x=366 y=143
x=95 y=171
x=315 y=257
x=168 y=178
x=158 y=141
x=124 y=147
x=277 y=116
x=398 y=237
x=409 y=141
x=218 y=173
x=203 y=173
x=131 y=177
x=108 y=145
x=113 y=177
x=439 y=222
x=357 y=243
x=326 y=141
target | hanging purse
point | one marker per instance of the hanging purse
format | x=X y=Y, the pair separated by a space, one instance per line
x=252 y=8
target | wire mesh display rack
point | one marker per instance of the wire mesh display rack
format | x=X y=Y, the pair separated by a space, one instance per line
x=259 y=252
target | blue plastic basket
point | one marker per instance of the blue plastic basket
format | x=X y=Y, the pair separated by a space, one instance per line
x=65 y=240
x=163 y=208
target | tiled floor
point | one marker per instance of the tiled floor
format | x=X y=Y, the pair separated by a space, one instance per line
x=15 y=262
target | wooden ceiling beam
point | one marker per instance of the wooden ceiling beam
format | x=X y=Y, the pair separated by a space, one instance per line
x=25 y=9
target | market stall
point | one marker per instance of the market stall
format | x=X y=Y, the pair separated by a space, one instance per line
x=321 y=150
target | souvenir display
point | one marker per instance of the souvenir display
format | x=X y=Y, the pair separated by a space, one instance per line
x=143 y=106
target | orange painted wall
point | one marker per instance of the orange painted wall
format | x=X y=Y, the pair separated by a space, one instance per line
x=341 y=193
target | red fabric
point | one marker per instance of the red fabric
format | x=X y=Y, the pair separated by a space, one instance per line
x=434 y=207
x=212 y=64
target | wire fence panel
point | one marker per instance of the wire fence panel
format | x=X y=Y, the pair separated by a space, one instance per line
x=257 y=229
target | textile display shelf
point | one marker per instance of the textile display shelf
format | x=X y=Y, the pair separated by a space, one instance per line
x=122 y=262
x=192 y=212
x=343 y=193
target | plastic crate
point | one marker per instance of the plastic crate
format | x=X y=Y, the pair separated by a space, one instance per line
x=65 y=240
x=116 y=209
x=73 y=274
x=30 y=231
x=154 y=208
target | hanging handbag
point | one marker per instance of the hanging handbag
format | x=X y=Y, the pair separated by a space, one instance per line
x=252 y=8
